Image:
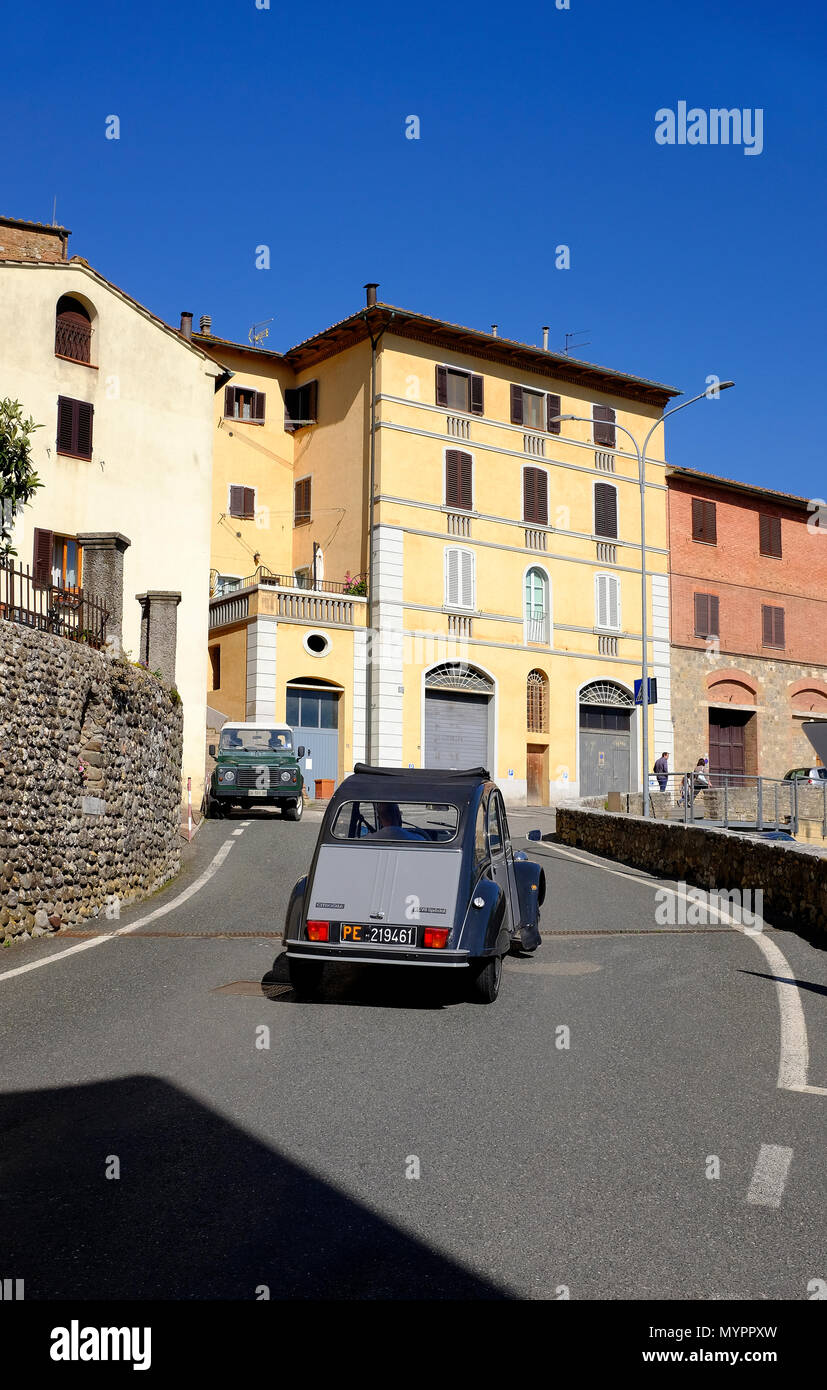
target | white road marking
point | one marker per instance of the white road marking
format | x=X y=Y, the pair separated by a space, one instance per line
x=245 y=823
x=214 y=864
x=240 y=831
x=770 y=1176
x=794 y=1050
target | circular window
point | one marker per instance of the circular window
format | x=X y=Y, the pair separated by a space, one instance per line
x=317 y=643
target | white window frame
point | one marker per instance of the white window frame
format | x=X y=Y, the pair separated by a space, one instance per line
x=549 y=605
x=610 y=540
x=450 y=448
x=598 y=626
x=459 y=606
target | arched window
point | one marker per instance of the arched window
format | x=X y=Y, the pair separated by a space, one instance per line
x=73 y=330
x=537 y=702
x=536 y=609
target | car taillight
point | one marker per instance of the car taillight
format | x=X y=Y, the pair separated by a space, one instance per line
x=436 y=936
x=318 y=931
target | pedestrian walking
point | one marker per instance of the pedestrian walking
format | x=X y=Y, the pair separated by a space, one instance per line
x=661 y=770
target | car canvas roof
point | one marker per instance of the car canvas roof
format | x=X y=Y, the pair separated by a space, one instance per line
x=409 y=783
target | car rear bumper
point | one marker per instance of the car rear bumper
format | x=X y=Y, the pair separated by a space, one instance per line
x=377 y=955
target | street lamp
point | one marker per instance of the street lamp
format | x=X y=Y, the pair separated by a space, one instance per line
x=711 y=393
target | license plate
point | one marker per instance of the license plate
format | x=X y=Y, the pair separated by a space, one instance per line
x=377 y=936
x=257 y=793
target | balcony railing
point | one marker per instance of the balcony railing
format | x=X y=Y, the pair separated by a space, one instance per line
x=354 y=587
x=71 y=613
x=73 y=340
x=537 y=630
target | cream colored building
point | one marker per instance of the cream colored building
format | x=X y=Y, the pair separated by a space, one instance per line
x=126 y=408
x=502 y=548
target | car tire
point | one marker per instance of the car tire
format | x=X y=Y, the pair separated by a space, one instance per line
x=305 y=976
x=485 y=980
x=294 y=812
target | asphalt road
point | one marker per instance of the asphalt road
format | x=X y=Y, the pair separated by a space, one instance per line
x=263 y=1142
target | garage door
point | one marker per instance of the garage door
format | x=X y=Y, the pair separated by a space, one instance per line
x=456 y=729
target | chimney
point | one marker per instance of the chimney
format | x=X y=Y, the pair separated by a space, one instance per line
x=370 y=288
x=206 y=325
x=545 y=337
x=186 y=325
x=494 y=328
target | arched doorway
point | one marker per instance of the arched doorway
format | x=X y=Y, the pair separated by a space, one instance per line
x=606 y=738
x=458 y=717
x=314 y=713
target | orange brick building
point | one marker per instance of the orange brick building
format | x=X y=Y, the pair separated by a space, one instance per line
x=748 y=614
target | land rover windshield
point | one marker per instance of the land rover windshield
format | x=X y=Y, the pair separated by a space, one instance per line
x=255 y=741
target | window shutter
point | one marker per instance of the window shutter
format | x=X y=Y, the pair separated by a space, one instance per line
x=704 y=526
x=701 y=615
x=529 y=494
x=770 y=535
x=466 y=579
x=542 y=496
x=477 y=396
x=697 y=519
x=65 y=430
x=773 y=626
x=302 y=501
x=236 y=501
x=229 y=402
x=714 y=627
x=464 y=481
x=452 y=578
x=604 y=425
x=84 y=413
x=311 y=389
x=44 y=542
x=258 y=405
x=516 y=405
x=553 y=407
x=605 y=510
x=452 y=478
x=249 y=510
x=442 y=386
x=779 y=627
x=614 y=601
x=602 y=600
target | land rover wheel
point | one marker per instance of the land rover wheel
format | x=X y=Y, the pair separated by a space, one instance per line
x=305 y=976
x=294 y=810
x=485 y=980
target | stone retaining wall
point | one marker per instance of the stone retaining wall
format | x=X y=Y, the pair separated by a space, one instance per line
x=793 y=880
x=90 y=768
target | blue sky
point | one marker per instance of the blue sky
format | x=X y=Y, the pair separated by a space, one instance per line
x=286 y=127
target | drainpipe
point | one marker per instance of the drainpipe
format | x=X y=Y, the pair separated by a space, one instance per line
x=374 y=343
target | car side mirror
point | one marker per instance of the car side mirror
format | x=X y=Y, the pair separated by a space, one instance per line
x=534 y=835
x=300 y=751
x=212 y=750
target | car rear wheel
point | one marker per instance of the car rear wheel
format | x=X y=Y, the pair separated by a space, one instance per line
x=293 y=812
x=485 y=981
x=305 y=976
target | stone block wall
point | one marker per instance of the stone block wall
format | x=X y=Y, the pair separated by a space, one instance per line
x=90 y=768
x=793 y=880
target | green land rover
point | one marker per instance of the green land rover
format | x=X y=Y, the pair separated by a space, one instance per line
x=256 y=764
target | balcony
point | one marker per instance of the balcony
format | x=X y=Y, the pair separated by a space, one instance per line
x=459 y=524
x=73 y=340
x=537 y=630
x=332 y=603
x=458 y=426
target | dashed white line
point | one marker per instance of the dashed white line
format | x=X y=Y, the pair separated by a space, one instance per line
x=770 y=1176
x=240 y=830
x=214 y=864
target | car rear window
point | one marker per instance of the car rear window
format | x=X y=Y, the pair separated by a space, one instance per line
x=413 y=822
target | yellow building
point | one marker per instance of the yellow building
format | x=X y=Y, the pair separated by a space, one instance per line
x=503 y=620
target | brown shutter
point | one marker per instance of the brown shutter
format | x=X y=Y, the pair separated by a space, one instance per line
x=65 y=425
x=291 y=400
x=249 y=504
x=477 y=396
x=772 y=623
x=604 y=425
x=229 y=402
x=710 y=523
x=442 y=385
x=83 y=440
x=465 y=481
x=697 y=519
x=44 y=543
x=236 y=501
x=714 y=626
x=553 y=407
x=701 y=615
x=605 y=510
x=302 y=501
x=516 y=405
x=542 y=496
x=452 y=478
x=535 y=496
x=779 y=627
x=311 y=389
x=529 y=494
x=258 y=405
x=704 y=522
x=770 y=535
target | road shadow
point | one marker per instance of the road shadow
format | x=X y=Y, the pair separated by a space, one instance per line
x=376 y=986
x=786 y=980
x=201 y=1210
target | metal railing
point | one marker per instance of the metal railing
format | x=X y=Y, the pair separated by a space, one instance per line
x=73 y=340
x=739 y=801
x=265 y=576
x=71 y=613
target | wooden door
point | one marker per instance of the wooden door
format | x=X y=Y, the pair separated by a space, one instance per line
x=727 y=748
x=536 y=775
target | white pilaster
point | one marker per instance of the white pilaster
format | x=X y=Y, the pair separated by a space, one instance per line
x=360 y=647
x=661 y=667
x=261 y=668
x=386 y=646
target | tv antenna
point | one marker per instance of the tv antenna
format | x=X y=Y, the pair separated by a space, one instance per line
x=259 y=332
x=577 y=346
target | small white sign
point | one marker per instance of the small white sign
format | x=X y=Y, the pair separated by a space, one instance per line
x=511 y=772
x=309 y=764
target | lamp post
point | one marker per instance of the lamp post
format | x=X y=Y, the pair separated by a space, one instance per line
x=711 y=393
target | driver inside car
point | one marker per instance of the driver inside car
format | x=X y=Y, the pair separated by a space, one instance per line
x=390 y=823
